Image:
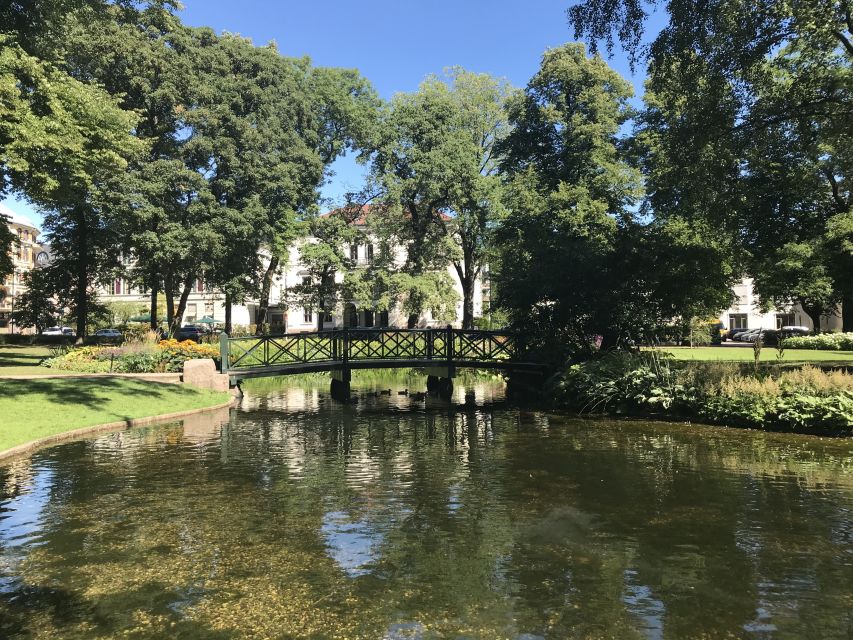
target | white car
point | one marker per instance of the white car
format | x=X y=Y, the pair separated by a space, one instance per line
x=58 y=331
x=107 y=333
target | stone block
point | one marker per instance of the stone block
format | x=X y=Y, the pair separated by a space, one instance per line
x=201 y=373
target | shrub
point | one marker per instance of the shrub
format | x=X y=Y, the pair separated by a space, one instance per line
x=822 y=342
x=806 y=399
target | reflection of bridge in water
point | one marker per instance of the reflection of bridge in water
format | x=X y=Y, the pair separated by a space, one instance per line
x=439 y=351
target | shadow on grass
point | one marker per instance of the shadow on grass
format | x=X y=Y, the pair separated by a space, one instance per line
x=91 y=392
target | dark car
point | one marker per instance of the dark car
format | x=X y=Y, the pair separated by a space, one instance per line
x=191 y=332
x=731 y=333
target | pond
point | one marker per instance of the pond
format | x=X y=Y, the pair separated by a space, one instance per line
x=298 y=517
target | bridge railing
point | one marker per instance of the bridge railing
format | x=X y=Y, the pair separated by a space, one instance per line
x=358 y=345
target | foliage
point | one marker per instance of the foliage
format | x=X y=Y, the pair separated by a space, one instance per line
x=807 y=399
x=436 y=166
x=568 y=194
x=823 y=341
x=36 y=306
x=745 y=130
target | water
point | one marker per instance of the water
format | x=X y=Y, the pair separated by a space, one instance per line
x=394 y=518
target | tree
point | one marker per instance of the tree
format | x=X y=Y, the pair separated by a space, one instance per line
x=343 y=108
x=324 y=256
x=750 y=105
x=569 y=193
x=436 y=167
x=62 y=143
x=36 y=306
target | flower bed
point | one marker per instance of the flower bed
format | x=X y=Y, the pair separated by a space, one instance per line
x=166 y=356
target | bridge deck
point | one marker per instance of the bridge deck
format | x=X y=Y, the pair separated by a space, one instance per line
x=348 y=349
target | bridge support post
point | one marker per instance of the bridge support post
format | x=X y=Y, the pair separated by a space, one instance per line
x=224 y=353
x=440 y=380
x=340 y=386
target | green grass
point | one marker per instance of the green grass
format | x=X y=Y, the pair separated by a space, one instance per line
x=33 y=409
x=23 y=360
x=768 y=354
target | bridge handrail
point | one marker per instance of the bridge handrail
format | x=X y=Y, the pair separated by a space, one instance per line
x=429 y=345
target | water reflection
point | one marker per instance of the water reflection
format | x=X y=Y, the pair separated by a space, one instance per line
x=295 y=516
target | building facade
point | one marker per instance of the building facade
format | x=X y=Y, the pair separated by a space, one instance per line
x=284 y=315
x=27 y=253
x=746 y=313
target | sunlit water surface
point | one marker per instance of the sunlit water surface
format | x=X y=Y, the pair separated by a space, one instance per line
x=297 y=517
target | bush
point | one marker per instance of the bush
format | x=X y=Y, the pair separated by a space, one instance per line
x=822 y=342
x=806 y=399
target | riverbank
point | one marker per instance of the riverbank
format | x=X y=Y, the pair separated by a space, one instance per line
x=805 y=399
x=34 y=409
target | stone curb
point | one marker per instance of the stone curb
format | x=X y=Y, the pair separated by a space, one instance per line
x=31 y=447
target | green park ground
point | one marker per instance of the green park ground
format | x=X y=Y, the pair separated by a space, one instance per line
x=768 y=354
x=35 y=408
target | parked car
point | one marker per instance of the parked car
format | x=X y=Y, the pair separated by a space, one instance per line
x=110 y=335
x=58 y=331
x=789 y=331
x=738 y=334
x=769 y=337
x=732 y=333
x=190 y=332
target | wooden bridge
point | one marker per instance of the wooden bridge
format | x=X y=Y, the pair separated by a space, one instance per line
x=441 y=351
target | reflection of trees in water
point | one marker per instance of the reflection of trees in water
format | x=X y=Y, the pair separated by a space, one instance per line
x=467 y=521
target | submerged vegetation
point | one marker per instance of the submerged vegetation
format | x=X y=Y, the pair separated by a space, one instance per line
x=807 y=400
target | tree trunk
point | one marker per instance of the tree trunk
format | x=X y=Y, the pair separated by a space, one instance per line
x=320 y=312
x=466 y=281
x=814 y=313
x=154 y=321
x=169 y=292
x=262 y=317
x=182 y=305
x=81 y=293
x=228 y=327
x=847 y=312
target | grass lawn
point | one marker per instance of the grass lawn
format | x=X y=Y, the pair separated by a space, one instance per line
x=23 y=360
x=32 y=409
x=768 y=354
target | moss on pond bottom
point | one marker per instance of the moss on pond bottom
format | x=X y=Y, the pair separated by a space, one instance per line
x=339 y=521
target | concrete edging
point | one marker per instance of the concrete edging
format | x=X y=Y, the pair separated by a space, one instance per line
x=119 y=425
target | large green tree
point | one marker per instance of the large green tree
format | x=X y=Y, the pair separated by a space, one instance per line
x=749 y=106
x=437 y=171
x=569 y=196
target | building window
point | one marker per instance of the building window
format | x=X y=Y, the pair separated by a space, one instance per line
x=737 y=321
x=353 y=252
x=784 y=320
x=370 y=253
x=383 y=318
x=327 y=316
x=117 y=287
x=368 y=317
x=307 y=316
x=199 y=286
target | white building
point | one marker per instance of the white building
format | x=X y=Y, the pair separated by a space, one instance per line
x=283 y=315
x=26 y=254
x=746 y=313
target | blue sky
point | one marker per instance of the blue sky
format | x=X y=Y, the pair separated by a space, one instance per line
x=395 y=43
